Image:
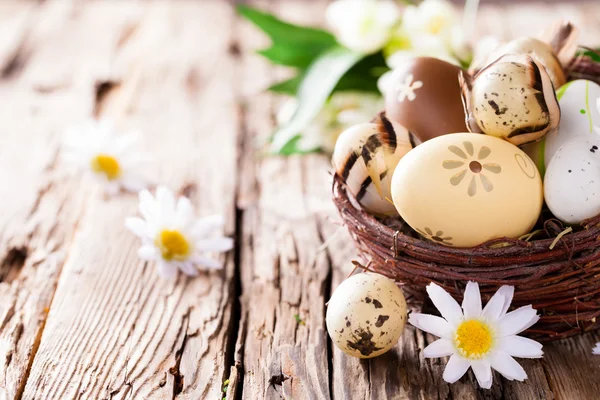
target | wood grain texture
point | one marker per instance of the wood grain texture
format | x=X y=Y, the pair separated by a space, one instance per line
x=82 y=317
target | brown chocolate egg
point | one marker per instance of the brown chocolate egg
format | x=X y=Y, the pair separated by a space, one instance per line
x=425 y=98
x=512 y=98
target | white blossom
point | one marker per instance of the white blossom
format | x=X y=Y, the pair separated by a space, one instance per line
x=480 y=338
x=363 y=25
x=115 y=160
x=173 y=237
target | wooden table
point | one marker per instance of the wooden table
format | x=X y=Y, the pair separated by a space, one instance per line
x=82 y=317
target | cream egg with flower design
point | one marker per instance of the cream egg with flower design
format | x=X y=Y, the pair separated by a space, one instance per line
x=112 y=159
x=472 y=188
x=173 y=237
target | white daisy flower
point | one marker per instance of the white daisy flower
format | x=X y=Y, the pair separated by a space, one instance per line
x=596 y=350
x=95 y=148
x=173 y=237
x=364 y=26
x=483 y=339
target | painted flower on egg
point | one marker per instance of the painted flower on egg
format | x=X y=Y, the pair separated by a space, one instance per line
x=471 y=167
x=406 y=89
x=437 y=237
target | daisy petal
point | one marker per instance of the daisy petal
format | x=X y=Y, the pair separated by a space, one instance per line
x=507 y=292
x=472 y=300
x=493 y=309
x=219 y=245
x=138 y=226
x=507 y=366
x=483 y=373
x=596 y=350
x=207 y=225
x=185 y=212
x=445 y=303
x=456 y=368
x=207 y=262
x=132 y=184
x=166 y=270
x=166 y=202
x=439 y=348
x=518 y=320
x=147 y=205
x=432 y=324
x=518 y=346
x=188 y=268
x=148 y=253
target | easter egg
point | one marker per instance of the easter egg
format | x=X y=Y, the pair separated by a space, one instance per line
x=366 y=315
x=365 y=157
x=424 y=97
x=580 y=115
x=572 y=181
x=512 y=98
x=463 y=189
x=541 y=52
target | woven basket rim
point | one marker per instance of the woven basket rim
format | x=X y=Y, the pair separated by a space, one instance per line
x=562 y=283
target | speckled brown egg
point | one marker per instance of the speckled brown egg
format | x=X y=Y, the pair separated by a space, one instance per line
x=512 y=98
x=366 y=315
x=425 y=98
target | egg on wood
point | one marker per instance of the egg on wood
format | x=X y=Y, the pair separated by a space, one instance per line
x=572 y=181
x=365 y=157
x=462 y=190
x=580 y=115
x=366 y=315
x=424 y=97
x=512 y=98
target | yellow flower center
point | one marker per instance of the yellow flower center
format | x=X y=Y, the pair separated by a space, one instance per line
x=435 y=24
x=173 y=245
x=107 y=165
x=473 y=339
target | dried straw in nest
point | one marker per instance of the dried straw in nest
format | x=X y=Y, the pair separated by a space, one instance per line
x=554 y=269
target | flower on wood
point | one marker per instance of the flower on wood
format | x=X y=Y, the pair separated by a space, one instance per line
x=173 y=237
x=482 y=339
x=363 y=25
x=596 y=350
x=95 y=148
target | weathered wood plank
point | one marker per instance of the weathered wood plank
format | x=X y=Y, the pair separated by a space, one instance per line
x=40 y=205
x=115 y=330
x=284 y=281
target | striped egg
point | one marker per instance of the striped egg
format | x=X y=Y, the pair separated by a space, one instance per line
x=512 y=98
x=366 y=156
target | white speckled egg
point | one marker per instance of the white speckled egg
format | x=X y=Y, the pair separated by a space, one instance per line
x=572 y=181
x=512 y=98
x=365 y=157
x=366 y=315
x=464 y=189
x=580 y=116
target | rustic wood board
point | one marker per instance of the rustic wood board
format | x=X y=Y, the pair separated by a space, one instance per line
x=82 y=317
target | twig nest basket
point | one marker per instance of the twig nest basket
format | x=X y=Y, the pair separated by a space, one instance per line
x=556 y=268
x=560 y=278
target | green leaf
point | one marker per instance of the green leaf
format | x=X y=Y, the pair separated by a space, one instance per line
x=292 y=147
x=293 y=45
x=594 y=54
x=292 y=56
x=317 y=85
x=362 y=77
x=289 y=86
